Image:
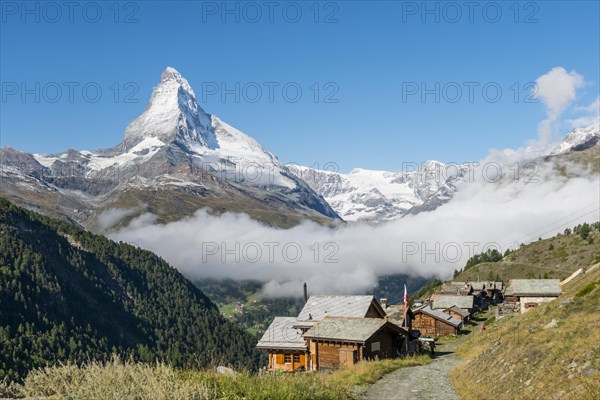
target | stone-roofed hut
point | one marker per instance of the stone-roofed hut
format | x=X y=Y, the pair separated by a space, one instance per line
x=341 y=341
x=285 y=345
x=445 y=302
x=530 y=293
x=435 y=323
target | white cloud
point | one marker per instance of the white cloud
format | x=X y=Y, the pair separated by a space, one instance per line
x=557 y=89
x=592 y=108
x=112 y=216
x=589 y=115
x=504 y=213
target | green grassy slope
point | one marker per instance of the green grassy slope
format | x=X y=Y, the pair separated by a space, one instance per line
x=556 y=257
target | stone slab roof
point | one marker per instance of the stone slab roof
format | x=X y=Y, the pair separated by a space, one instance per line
x=281 y=334
x=444 y=302
x=534 y=287
x=349 y=329
x=318 y=307
x=439 y=315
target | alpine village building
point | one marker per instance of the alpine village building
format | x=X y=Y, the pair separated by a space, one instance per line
x=434 y=323
x=336 y=331
x=529 y=293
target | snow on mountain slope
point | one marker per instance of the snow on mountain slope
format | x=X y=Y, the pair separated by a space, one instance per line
x=172 y=114
x=173 y=117
x=175 y=143
x=142 y=151
x=578 y=139
x=240 y=158
x=375 y=196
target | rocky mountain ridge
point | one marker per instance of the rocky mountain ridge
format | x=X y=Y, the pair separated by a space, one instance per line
x=174 y=159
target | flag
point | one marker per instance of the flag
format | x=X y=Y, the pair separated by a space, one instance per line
x=405 y=296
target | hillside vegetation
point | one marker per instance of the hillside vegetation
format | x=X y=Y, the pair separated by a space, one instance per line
x=69 y=295
x=588 y=158
x=550 y=352
x=556 y=257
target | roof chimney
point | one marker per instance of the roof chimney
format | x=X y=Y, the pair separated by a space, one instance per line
x=383 y=303
x=305 y=293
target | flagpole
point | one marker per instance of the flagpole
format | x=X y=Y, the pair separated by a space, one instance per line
x=405 y=306
x=405 y=315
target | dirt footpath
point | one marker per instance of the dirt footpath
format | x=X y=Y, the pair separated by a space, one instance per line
x=426 y=382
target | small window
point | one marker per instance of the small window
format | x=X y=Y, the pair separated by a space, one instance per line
x=287 y=358
x=296 y=358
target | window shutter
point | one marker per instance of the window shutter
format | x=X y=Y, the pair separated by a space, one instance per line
x=302 y=359
x=279 y=358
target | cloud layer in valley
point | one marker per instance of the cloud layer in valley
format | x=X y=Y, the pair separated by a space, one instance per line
x=349 y=258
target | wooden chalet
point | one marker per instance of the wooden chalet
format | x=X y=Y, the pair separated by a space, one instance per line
x=339 y=342
x=286 y=347
x=458 y=313
x=403 y=317
x=454 y=289
x=435 y=323
x=530 y=293
x=489 y=290
x=466 y=303
x=332 y=331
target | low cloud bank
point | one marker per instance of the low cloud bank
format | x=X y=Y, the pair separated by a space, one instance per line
x=499 y=212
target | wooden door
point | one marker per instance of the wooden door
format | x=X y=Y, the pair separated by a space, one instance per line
x=347 y=357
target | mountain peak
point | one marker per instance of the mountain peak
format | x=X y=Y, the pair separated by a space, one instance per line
x=578 y=139
x=172 y=115
x=171 y=75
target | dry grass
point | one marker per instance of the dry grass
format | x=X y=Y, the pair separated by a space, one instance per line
x=113 y=380
x=517 y=358
x=128 y=380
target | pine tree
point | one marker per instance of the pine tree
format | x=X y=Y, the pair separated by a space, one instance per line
x=584 y=231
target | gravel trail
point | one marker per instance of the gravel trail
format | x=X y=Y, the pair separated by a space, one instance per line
x=425 y=382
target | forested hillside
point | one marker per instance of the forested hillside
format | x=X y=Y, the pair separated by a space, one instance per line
x=67 y=294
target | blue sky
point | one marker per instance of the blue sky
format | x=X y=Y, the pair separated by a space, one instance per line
x=363 y=56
